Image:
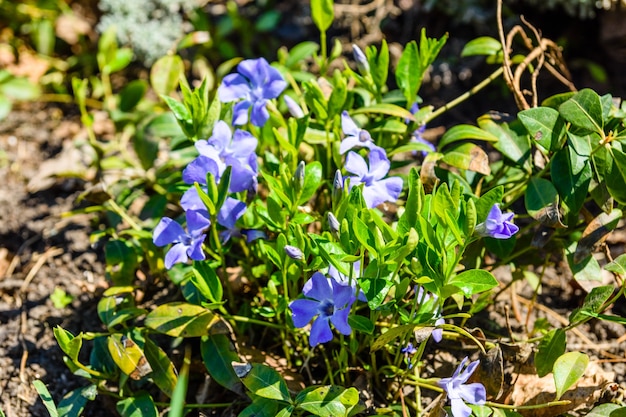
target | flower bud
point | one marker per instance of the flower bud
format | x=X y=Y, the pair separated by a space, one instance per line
x=333 y=223
x=361 y=60
x=294 y=253
x=294 y=109
x=337 y=185
x=298 y=176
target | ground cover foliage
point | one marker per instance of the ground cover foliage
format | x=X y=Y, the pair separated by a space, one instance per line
x=282 y=237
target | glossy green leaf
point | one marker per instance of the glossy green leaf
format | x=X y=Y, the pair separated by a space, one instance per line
x=218 y=354
x=474 y=281
x=587 y=269
x=46 y=398
x=484 y=45
x=584 y=110
x=121 y=59
x=513 y=141
x=568 y=368
x=180 y=319
x=594 y=301
x=322 y=13
x=121 y=262
x=386 y=109
x=361 y=324
x=572 y=185
x=462 y=132
x=299 y=53
x=407 y=78
x=327 y=401
x=74 y=402
x=165 y=74
x=69 y=344
x=139 y=405
x=267 y=383
x=542 y=201
x=207 y=282
x=469 y=157
x=486 y=201
x=379 y=64
x=605 y=410
x=131 y=94
x=616 y=177
x=544 y=125
x=392 y=334
x=618 y=265
x=312 y=181
x=261 y=407
x=550 y=348
x=163 y=371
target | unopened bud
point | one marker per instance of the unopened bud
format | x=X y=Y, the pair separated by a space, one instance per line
x=298 y=176
x=361 y=60
x=333 y=223
x=294 y=253
x=337 y=185
x=294 y=109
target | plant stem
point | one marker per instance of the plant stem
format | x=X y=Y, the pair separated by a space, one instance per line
x=465 y=95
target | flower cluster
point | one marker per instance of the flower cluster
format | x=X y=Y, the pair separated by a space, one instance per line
x=255 y=84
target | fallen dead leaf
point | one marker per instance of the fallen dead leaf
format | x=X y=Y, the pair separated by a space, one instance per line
x=529 y=389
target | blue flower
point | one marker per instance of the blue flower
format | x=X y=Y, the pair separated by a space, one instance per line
x=255 y=84
x=376 y=190
x=186 y=244
x=361 y=60
x=224 y=149
x=355 y=136
x=345 y=280
x=229 y=213
x=497 y=224
x=409 y=350
x=330 y=302
x=459 y=393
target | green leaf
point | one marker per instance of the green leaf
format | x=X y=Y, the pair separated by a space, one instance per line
x=386 y=109
x=513 y=141
x=163 y=371
x=474 y=281
x=165 y=74
x=131 y=94
x=618 y=265
x=73 y=403
x=544 y=126
x=121 y=59
x=180 y=319
x=267 y=383
x=484 y=45
x=462 y=132
x=299 y=53
x=361 y=324
x=486 y=202
x=46 y=398
x=19 y=88
x=207 y=282
x=407 y=78
x=218 y=354
x=312 y=181
x=616 y=177
x=379 y=64
x=121 y=262
x=261 y=407
x=584 y=110
x=604 y=410
x=398 y=332
x=594 y=301
x=551 y=347
x=469 y=157
x=568 y=368
x=322 y=13
x=572 y=186
x=327 y=401
x=139 y=405
x=586 y=270
x=542 y=202
x=69 y=344
x=128 y=356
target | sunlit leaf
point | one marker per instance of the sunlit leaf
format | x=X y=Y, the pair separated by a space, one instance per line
x=139 y=405
x=568 y=368
x=584 y=110
x=551 y=347
x=267 y=383
x=180 y=319
x=544 y=126
x=327 y=401
x=474 y=281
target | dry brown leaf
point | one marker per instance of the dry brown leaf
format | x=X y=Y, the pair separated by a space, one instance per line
x=70 y=27
x=529 y=389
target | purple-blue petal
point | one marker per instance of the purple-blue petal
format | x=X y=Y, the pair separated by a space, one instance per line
x=230 y=212
x=355 y=164
x=348 y=126
x=320 y=288
x=243 y=145
x=474 y=393
x=191 y=200
x=320 y=332
x=259 y=115
x=233 y=87
x=379 y=163
x=303 y=311
x=197 y=170
x=339 y=319
x=166 y=232
x=195 y=251
x=197 y=221
x=459 y=408
x=240 y=112
x=176 y=254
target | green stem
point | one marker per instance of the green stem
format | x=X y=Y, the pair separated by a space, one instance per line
x=465 y=95
x=528 y=407
x=122 y=213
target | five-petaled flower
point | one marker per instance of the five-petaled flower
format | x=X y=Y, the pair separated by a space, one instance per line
x=355 y=136
x=327 y=299
x=497 y=225
x=459 y=392
x=186 y=244
x=376 y=190
x=255 y=84
x=224 y=149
